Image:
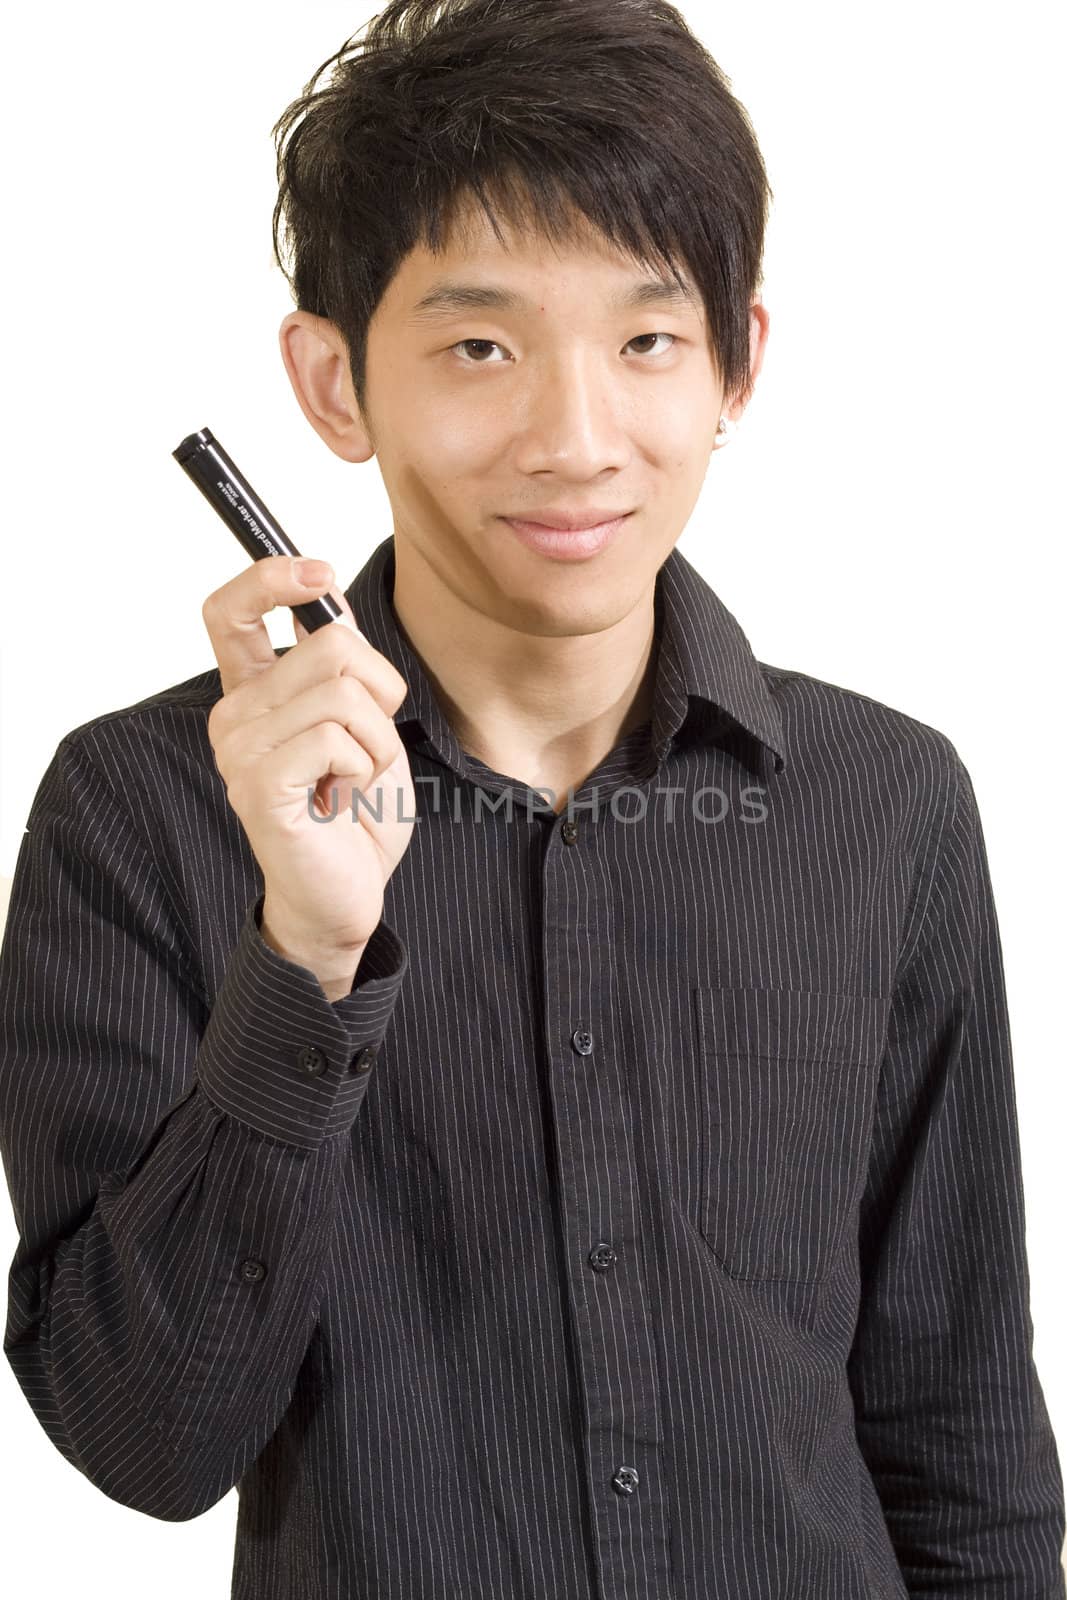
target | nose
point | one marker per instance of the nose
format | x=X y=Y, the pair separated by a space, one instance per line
x=571 y=420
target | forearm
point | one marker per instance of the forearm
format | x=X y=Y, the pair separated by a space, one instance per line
x=176 y=1317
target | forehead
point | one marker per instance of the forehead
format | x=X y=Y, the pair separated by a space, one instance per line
x=475 y=268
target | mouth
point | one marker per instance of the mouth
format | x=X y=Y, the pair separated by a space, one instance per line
x=567 y=544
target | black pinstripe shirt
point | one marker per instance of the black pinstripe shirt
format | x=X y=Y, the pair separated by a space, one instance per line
x=646 y=1224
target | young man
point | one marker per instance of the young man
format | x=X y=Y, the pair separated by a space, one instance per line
x=609 y=1186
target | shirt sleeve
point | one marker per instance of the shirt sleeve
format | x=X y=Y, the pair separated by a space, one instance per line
x=174 y=1168
x=950 y=1413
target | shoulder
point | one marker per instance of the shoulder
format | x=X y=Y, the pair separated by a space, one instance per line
x=854 y=751
x=155 y=757
x=823 y=720
x=164 y=727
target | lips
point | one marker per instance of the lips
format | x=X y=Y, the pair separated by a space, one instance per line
x=567 y=544
x=567 y=522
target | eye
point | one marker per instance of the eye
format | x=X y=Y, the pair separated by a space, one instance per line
x=484 y=343
x=641 y=336
x=491 y=344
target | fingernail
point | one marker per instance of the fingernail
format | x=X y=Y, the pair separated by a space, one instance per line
x=313 y=574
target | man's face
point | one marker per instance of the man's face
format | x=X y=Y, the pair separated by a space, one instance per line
x=567 y=402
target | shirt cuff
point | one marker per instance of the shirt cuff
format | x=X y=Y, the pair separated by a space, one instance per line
x=278 y=1055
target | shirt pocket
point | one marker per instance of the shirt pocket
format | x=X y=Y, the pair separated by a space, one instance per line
x=788 y=1080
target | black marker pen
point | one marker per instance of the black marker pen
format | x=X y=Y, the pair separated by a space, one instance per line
x=247 y=518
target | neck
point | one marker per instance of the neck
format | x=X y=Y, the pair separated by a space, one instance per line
x=545 y=709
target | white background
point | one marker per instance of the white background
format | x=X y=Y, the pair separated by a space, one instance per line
x=889 y=516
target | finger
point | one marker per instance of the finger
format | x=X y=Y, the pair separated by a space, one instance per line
x=344 y=701
x=233 y=615
x=326 y=751
x=330 y=652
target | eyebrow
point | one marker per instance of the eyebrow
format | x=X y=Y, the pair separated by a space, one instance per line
x=448 y=296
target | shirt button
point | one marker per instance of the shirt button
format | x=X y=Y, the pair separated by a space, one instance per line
x=253 y=1271
x=569 y=831
x=311 y=1060
x=625 y=1480
x=365 y=1059
x=601 y=1257
x=582 y=1040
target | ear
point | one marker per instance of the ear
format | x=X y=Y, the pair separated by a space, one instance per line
x=759 y=323
x=758 y=328
x=316 y=359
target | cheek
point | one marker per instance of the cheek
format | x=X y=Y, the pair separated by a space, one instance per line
x=675 y=422
x=446 y=440
x=696 y=425
x=434 y=489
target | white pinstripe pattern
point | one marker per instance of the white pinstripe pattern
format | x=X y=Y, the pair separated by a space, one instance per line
x=375 y=1300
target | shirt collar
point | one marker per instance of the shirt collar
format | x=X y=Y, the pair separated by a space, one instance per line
x=703 y=656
